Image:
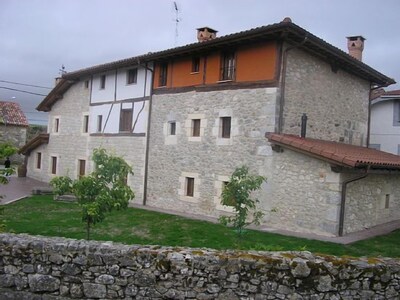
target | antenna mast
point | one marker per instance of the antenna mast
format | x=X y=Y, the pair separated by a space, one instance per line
x=177 y=20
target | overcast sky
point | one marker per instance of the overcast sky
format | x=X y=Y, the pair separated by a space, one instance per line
x=37 y=37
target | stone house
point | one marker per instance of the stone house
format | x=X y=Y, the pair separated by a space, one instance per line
x=385 y=121
x=13 y=126
x=204 y=110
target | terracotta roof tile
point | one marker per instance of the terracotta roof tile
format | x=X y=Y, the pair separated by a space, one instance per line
x=342 y=154
x=12 y=114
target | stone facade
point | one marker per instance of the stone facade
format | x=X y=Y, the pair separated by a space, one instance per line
x=16 y=135
x=71 y=144
x=336 y=103
x=208 y=157
x=303 y=193
x=372 y=201
x=61 y=269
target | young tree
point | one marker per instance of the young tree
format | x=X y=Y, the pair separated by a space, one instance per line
x=102 y=191
x=236 y=194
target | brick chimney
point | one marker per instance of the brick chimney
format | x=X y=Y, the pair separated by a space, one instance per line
x=206 y=34
x=355 y=44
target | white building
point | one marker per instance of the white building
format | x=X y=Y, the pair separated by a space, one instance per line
x=385 y=122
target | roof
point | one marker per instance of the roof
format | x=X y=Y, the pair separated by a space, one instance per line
x=12 y=114
x=57 y=93
x=382 y=95
x=285 y=30
x=38 y=140
x=340 y=154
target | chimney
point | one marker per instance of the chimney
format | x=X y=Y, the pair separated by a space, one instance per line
x=206 y=34
x=355 y=44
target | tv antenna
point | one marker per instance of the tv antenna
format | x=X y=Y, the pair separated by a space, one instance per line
x=62 y=70
x=177 y=20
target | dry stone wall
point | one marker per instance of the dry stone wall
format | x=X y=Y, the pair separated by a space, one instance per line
x=57 y=268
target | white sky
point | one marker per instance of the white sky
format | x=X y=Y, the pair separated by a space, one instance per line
x=38 y=36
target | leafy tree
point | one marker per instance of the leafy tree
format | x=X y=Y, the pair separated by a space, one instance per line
x=101 y=191
x=237 y=194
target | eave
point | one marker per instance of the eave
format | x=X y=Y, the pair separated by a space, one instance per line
x=38 y=140
x=55 y=94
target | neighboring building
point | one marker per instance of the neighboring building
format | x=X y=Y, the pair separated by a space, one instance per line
x=385 y=121
x=206 y=112
x=13 y=126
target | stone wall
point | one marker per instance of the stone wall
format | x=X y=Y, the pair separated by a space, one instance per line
x=57 y=268
x=209 y=159
x=16 y=135
x=371 y=201
x=336 y=103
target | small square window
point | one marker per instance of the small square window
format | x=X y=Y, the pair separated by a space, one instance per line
x=102 y=82
x=131 y=76
x=38 y=160
x=225 y=127
x=189 y=186
x=196 y=127
x=195 y=64
x=99 y=123
x=172 y=128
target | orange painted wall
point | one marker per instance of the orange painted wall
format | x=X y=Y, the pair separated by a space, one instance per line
x=182 y=73
x=255 y=62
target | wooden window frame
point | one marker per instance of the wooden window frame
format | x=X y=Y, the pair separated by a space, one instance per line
x=102 y=82
x=226 y=126
x=162 y=80
x=81 y=167
x=228 y=66
x=189 y=187
x=131 y=76
x=196 y=125
x=195 y=64
x=125 y=121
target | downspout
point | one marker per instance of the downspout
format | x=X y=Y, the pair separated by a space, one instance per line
x=343 y=198
x=283 y=81
x=146 y=159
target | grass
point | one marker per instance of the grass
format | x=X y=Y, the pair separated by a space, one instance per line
x=41 y=215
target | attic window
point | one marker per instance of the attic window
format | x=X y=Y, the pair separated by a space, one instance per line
x=102 y=82
x=228 y=66
x=195 y=64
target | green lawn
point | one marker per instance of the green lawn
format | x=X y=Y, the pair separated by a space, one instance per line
x=41 y=215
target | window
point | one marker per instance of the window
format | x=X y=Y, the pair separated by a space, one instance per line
x=163 y=74
x=196 y=127
x=195 y=64
x=387 y=200
x=396 y=113
x=38 y=160
x=189 y=186
x=131 y=76
x=85 y=128
x=126 y=120
x=99 y=123
x=56 y=125
x=102 y=82
x=225 y=127
x=54 y=165
x=81 y=167
x=228 y=66
x=86 y=84
x=172 y=128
